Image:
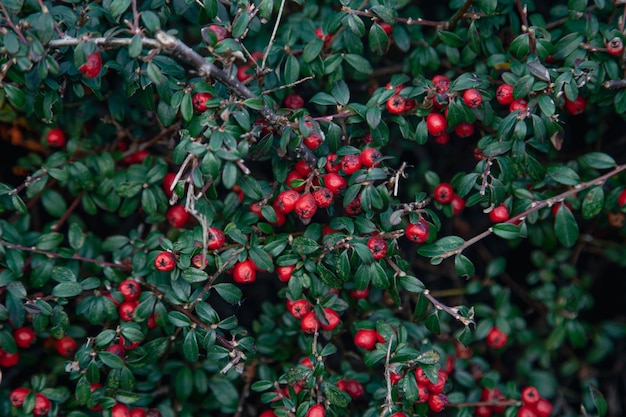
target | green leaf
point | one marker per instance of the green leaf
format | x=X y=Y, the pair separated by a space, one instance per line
x=334 y=395
x=411 y=284
x=441 y=246
x=304 y=246
x=148 y=201
x=53 y=202
x=565 y=227
x=229 y=292
x=229 y=175
x=67 y=289
x=432 y=323
x=359 y=63
x=379 y=276
x=598 y=400
x=194 y=275
x=62 y=274
x=76 y=236
x=312 y=50
x=506 y=230
x=341 y=92
x=593 y=202
x=111 y=360
x=429 y=357
x=190 y=347
x=598 y=160
x=464 y=267
x=292 y=69
x=563 y=175
x=328 y=276
x=240 y=24
x=49 y=241
x=261 y=259
x=178 y=319
x=378 y=40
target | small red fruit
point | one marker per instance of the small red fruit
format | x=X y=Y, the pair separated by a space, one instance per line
x=436 y=124
x=56 y=137
x=331 y=164
x=366 y=338
x=378 y=246
x=291 y=176
x=268 y=413
x=577 y=106
x=530 y=396
x=543 y=408
x=8 y=359
x=442 y=139
x=310 y=322
x=615 y=46
x=303 y=168
x=360 y=293
x=120 y=410
x=165 y=261
x=437 y=402
x=127 y=310
x=18 y=395
x=117 y=350
x=436 y=388
x=332 y=318
x=496 y=338
x=482 y=411
x=244 y=272
x=386 y=27
x=504 y=94
x=472 y=98
x=499 y=214
x=394 y=378
x=242 y=73
x=334 y=182
x=293 y=101
x=440 y=79
x=66 y=346
x=518 y=105
x=443 y=193
x=458 y=204
x=398 y=414
x=313 y=141
x=354 y=208
x=396 y=104
x=326 y=38
x=306 y=206
x=420 y=377
x=168 y=179
x=493 y=395
x=215 y=238
x=24 y=337
x=137 y=412
x=323 y=197
x=526 y=411
x=350 y=163
x=621 y=199
x=354 y=389
x=177 y=216
x=464 y=129
x=130 y=289
x=285 y=272
x=199 y=101
x=370 y=157
x=422 y=394
x=91 y=68
x=42 y=405
x=300 y=308
x=317 y=410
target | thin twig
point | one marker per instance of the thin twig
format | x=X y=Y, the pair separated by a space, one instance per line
x=69 y=211
x=273 y=37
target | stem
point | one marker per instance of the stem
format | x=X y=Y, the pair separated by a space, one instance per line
x=495 y=403
x=617 y=84
x=273 y=37
x=458 y=15
x=12 y=25
x=69 y=211
x=523 y=12
x=450 y=310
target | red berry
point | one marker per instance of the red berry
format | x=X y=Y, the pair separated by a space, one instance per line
x=151 y=321
x=436 y=388
x=331 y=163
x=354 y=389
x=334 y=182
x=621 y=198
x=577 y=106
x=293 y=101
x=458 y=204
x=167 y=183
x=220 y=32
x=305 y=206
x=8 y=359
x=117 y=350
x=268 y=413
x=127 y=310
x=370 y=157
x=56 y=137
x=332 y=318
x=440 y=79
x=66 y=346
x=422 y=394
x=493 y=395
x=396 y=104
x=284 y=272
x=442 y=139
x=464 y=129
x=378 y=246
x=436 y=124
x=386 y=27
x=130 y=289
x=313 y=141
x=615 y=46
x=472 y=98
x=177 y=216
x=366 y=338
x=309 y=323
x=499 y=214
x=242 y=73
x=420 y=377
x=300 y=308
x=354 y=207
x=326 y=38
x=291 y=176
x=394 y=378
x=24 y=337
x=215 y=239
x=350 y=163
x=398 y=414
x=360 y=293
x=437 y=402
x=42 y=405
x=518 y=105
x=199 y=101
x=165 y=261
x=303 y=168
x=127 y=344
x=496 y=338
x=504 y=94
x=530 y=396
x=317 y=410
x=482 y=411
x=323 y=197
x=91 y=68
x=244 y=272
x=543 y=408
x=120 y=410
x=443 y=193
x=526 y=411
x=18 y=395
x=137 y=412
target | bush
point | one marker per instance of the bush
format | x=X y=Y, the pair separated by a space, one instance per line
x=365 y=209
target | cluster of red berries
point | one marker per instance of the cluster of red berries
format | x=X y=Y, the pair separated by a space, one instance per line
x=429 y=392
x=534 y=405
x=493 y=396
x=122 y=410
x=309 y=322
x=396 y=104
x=445 y=194
x=42 y=403
x=131 y=290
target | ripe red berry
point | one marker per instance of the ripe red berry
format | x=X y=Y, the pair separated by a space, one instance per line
x=518 y=105
x=305 y=206
x=499 y=214
x=117 y=350
x=370 y=157
x=293 y=101
x=443 y=193
x=313 y=141
x=8 y=359
x=354 y=207
x=615 y=46
x=394 y=378
x=440 y=79
x=127 y=310
x=504 y=94
x=360 y=293
x=168 y=179
x=398 y=414
x=56 y=137
x=464 y=129
x=291 y=176
x=120 y=410
x=215 y=238
x=325 y=37
x=472 y=98
x=386 y=27
x=354 y=389
x=420 y=377
x=530 y=396
x=242 y=73
x=396 y=104
x=436 y=124
x=199 y=101
x=138 y=412
x=285 y=272
x=300 y=308
x=317 y=410
x=334 y=182
x=177 y=216
x=268 y=413
x=621 y=199
x=323 y=197
x=24 y=337
x=496 y=338
x=42 y=405
x=577 y=106
x=303 y=168
x=331 y=164
x=130 y=289
x=127 y=344
x=310 y=322
x=422 y=394
x=436 y=388
x=482 y=411
x=165 y=261
x=366 y=338
x=437 y=402
x=18 y=395
x=543 y=408
x=244 y=272
x=493 y=395
x=91 y=68
x=526 y=411
x=199 y=261
x=332 y=318
x=66 y=346
x=350 y=163
x=458 y=204
x=378 y=246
